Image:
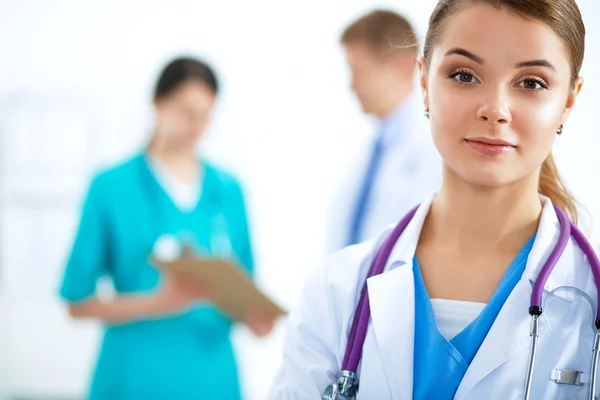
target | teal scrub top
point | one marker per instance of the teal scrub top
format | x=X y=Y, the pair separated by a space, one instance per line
x=188 y=356
x=439 y=364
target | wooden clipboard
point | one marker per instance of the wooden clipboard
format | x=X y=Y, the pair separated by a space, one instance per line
x=232 y=290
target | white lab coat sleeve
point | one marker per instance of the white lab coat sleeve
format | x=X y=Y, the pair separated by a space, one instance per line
x=309 y=360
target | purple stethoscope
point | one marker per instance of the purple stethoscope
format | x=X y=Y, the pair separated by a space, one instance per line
x=346 y=388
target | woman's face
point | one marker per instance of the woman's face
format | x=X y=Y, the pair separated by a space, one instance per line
x=183 y=115
x=498 y=87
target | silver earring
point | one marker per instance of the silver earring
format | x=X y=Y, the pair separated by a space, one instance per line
x=427 y=113
x=559 y=131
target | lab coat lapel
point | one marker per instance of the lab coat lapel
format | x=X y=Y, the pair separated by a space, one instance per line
x=509 y=334
x=508 y=337
x=392 y=298
x=392 y=304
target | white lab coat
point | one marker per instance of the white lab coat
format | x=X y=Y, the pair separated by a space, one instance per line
x=317 y=329
x=410 y=169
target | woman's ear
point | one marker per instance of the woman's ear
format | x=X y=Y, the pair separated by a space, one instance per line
x=571 y=100
x=155 y=105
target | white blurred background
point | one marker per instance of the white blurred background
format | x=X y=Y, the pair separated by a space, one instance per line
x=75 y=85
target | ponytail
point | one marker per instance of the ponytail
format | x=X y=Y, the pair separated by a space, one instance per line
x=552 y=186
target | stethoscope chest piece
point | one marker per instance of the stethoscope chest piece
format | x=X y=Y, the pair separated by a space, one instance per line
x=344 y=389
x=330 y=392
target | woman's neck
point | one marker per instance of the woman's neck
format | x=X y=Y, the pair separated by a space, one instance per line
x=470 y=216
x=179 y=160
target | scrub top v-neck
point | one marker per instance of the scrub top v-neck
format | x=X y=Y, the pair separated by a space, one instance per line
x=439 y=364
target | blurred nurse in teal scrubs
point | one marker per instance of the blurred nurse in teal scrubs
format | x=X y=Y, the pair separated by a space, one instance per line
x=163 y=339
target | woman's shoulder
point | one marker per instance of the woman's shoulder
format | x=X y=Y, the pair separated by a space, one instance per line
x=116 y=179
x=579 y=266
x=343 y=273
x=124 y=170
x=220 y=178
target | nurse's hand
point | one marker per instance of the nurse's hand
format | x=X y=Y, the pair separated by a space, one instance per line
x=260 y=325
x=177 y=294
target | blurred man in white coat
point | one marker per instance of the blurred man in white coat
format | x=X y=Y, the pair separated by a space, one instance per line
x=400 y=165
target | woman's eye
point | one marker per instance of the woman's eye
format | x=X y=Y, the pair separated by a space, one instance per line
x=533 y=84
x=463 y=77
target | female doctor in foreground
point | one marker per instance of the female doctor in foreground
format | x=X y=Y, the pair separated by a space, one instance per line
x=449 y=317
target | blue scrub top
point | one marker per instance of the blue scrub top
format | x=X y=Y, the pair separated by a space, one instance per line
x=188 y=356
x=439 y=364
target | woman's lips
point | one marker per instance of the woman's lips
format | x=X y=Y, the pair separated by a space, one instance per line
x=490 y=147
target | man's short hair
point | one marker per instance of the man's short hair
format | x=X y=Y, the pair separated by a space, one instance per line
x=384 y=31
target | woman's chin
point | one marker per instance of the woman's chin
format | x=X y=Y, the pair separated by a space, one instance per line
x=491 y=177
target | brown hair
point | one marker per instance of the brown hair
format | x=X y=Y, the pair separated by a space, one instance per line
x=564 y=18
x=383 y=30
x=185 y=69
x=179 y=71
